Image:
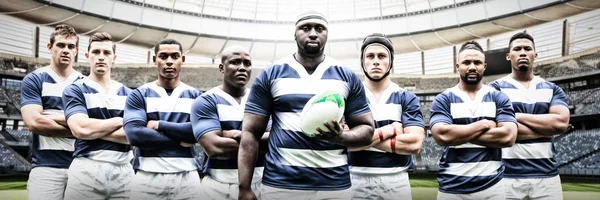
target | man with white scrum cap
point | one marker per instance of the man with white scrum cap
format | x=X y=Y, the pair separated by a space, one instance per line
x=298 y=166
x=379 y=170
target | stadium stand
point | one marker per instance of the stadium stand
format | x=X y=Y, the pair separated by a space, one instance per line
x=576 y=144
x=11 y=161
x=21 y=135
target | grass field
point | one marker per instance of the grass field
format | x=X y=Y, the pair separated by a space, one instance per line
x=423 y=188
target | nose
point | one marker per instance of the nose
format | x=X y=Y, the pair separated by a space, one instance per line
x=312 y=34
x=170 y=61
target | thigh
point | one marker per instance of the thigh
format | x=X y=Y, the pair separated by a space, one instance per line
x=547 y=189
x=120 y=183
x=47 y=183
x=364 y=187
x=516 y=189
x=496 y=192
x=396 y=187
x=147 y=185
x=271 y=193
x=447 y=196
x=187 y=185
x=212 y=189
x=86 y=180
x=333 y=195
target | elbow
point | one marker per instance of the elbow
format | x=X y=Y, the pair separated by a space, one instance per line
x=560 y=128
x=509 y=139
x=31 y=126
x=82 y=133
x=441 y=139
x=414 y=149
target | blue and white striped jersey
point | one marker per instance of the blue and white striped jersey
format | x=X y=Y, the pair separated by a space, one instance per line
x=531 y=158
x=394 y=105
x=217 y=110
x=160 y=150
x=88 y=97
x=295 y=161
x=469 y=168
x=44 y=87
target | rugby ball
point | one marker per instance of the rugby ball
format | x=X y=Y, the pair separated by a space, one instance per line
x=321 y=108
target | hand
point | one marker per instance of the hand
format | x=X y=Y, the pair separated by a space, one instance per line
x=489 y=123
x=333 y=134
x=246 y=194
x=234 y=134
x=345 y=127
x=153 y=124
x=183 y=144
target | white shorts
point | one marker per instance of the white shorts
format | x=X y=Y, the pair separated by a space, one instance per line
x=271 y=193
x=394 y=186
x=533 y=188
x=150 y=185
x=496 y=192
x=47 y=183
x=91 y=180
x=213 y=189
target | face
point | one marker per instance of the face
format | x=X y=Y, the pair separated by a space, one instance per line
x=101 y=57
x=237 y=68
x=376 y=61
x=471 y=65
x=311 y=37
x=63 y=50
x=168 y=59
x=521 y=54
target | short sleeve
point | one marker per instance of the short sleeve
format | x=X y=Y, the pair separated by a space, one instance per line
x=440 y=110
x=205 y=117
x=135 y=107
x=411 y=111
x=495 y=85
x=558 y=97
x=504 y=109
x=260 y=100
x=31 y=90
x=356 y=102
x=74 y=101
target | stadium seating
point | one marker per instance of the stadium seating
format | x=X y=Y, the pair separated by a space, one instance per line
x=576 y=144
x=21 y=135
x=11 y=161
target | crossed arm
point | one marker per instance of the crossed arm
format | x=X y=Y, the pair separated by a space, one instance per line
x=86 y=128
x=534 y=126
x=408 y=140
x=49 y=125
x=483 y=132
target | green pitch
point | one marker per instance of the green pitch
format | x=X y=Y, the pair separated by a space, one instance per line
x=423 y=188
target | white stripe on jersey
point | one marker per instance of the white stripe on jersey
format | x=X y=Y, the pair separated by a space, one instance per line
x=313 y=158
x=377 y=170
x=231 y=175
x=56 y=143
x=284 y=86
x=102 y=100
x=529 y=96
x=467 y=145
x=383 y=112
x=473 y=110
x=230 y=112
x=166 y=164
x=111 y=156
x=289 y=121
x=486 y=168
x=53 y=89
x=528 y=151
x=168 y=105
x=374 y=149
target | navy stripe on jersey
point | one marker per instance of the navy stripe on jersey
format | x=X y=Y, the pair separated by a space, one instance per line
x=156 y=151
x=217 y=110
x=295 y=161
x=533 y=158
x=394 y=105
x=44 y=87
x=88 y=97
x=469 y=168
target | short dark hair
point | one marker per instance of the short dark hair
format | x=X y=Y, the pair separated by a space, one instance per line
x=167 y=41
x=64 y=30
x=100 y=37
x=521 y=35
x=471 y=45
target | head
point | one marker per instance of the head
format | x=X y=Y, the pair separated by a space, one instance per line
x=63 y=45
x=311 y=34
x=471 y=63
x=101 y=53
x=521 y=52
x=236 y=66
x=168 y=57
x=377 y=56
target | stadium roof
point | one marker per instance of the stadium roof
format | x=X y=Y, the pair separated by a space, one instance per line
x=265 y=27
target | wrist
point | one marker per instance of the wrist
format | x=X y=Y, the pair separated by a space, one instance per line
x=393 y=144
x=380 y=133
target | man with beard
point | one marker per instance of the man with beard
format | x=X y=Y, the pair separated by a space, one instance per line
x=217 y=121
x=157 y=122
x=42 y=110
x=379 y=170
x=541 y=111
x=298 y=166
x=473 y=122
x=94 y=107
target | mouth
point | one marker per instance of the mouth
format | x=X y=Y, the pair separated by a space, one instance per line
x=473 y=75
x=101 y=64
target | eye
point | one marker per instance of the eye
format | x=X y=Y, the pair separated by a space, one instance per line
x=235 y=62
x=71 y=46
x=175 y=56
x=60 y=45
x=95 y=51
x=247 y=63
x=370 y=56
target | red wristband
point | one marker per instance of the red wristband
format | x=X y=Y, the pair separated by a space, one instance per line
x=394 y=131
x=380 y=135
x=393 y=143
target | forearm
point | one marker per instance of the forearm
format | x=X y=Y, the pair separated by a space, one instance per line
x=545 y=124
x=247 y=159
x=89 y=128
x=220 y=147
x=358 y=136
x=375 y=140
x=145 y=138
x=58 y=118
x=498 y=137
x=178 y=131
x=406 y=144
x=525 y=133
x=45 y=126
x=457 y=134
x=117 y=136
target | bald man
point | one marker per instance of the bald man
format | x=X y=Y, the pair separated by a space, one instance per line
x=217 y=120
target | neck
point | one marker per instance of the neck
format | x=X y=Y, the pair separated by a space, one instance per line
x=522 y=76
x=377 y=86
x=62 y=71
x=235 y=92
x=469 y=88
x=168 y=83
x=309 y=62
x=102 y=79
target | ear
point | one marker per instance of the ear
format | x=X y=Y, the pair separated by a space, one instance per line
x=221 y=68
x=76 y=50
x=535 y=55
x=508 y=56
x=114 y=57
x=456 y=66
x=87 y=55
x=182 y=59
x=154 y=59
x=49 y=46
